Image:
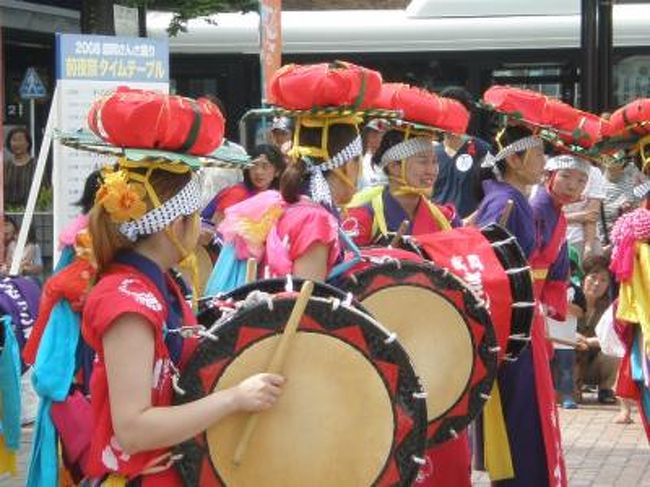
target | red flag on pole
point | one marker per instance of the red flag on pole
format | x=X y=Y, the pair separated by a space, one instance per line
x=270 y=41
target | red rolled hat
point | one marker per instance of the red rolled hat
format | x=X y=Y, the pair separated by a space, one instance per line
x=338 y=84
x=152 y=120
x=422 y=107
x=525 y=105
x=632 y=119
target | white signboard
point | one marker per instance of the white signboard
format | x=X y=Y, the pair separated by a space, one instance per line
x=88 y=67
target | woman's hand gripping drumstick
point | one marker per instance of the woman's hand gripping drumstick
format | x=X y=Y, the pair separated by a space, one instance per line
x=277 y=362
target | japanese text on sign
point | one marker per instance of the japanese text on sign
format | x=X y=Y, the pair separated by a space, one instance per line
x=112 y=59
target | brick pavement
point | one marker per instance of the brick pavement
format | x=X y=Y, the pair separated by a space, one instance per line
x=598 y=452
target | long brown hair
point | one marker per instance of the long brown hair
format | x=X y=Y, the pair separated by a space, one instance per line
x=107 y=240
x=294 y=176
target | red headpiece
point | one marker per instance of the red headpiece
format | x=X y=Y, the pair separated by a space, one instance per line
x=152 y=120
x=310 y=87
x=423 y=109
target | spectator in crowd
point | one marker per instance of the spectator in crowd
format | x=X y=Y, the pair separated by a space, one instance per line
x=564 y=358
x=620 y=180
x=32 y=261
x=594 y=367
x=583 y=215
x=217 y=178
x=459 y=161
x=281 y=134
x=19 y=168
x=265 y=174
x=371 y=138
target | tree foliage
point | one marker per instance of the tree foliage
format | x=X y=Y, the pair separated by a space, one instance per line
x=184 y=10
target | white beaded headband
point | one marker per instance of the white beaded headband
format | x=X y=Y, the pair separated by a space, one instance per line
x=564 y=161
x=319 y=190
x=405 y=149
x=520 y=145
x=183 y=203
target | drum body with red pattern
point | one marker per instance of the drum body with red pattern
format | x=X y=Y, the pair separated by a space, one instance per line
x=491 y=262
x=443 y=326
x=352 y=412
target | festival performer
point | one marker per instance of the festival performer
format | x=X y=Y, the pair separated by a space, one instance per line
x=631 y=261
x=519 y=436
x=296 y=230
x=566 y=179
x=265 y=174
x=406 y=155
x=145 y=221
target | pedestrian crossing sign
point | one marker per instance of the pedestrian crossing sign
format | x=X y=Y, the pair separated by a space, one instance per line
x=32 y=86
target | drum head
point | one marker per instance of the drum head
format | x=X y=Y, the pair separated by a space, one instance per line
x=348 y=415
x=209 y=311
x=512 y=258
x=446 y=331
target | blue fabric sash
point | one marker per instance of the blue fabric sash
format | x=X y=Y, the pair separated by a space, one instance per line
x=10 y=387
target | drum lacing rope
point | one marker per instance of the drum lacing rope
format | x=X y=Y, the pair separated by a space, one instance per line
x=336 y=303
x=385 y=259
x=349 y=297
x=175 y=378
x=499 y=243
x=509 y=358
x=520 y=337
x=258 y=297
x=517 y=270
x=420 y=395
x=496 y=349
x=288 y=287
x=418 y=460
x=192 y=331
x=484 y=396
x=523 y=304
x=226 y=314
x=453 y=433
x=390 y=338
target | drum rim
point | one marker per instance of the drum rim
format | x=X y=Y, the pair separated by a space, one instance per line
x=445 y=428
x=268 y=285
x=518 y=284
x=407 y=374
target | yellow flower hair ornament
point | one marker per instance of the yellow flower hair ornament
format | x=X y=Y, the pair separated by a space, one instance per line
x=121 y=198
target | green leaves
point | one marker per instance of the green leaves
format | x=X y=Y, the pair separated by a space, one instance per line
x=184 y=10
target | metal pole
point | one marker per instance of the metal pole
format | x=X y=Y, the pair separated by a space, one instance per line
x=604 y=99
x=32 y=124
x=589 y=50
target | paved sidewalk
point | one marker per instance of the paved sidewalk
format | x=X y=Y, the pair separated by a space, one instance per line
x=598 y=452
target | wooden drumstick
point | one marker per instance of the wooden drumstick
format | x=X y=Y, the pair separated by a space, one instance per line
x=505 y=216
x=277 y=363
x=403 y=227
x=251 y=270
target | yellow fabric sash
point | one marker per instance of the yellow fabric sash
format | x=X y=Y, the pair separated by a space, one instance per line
x=373 y=195
x=634 y=295
x=7 y=459
x=496 y=446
